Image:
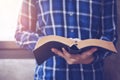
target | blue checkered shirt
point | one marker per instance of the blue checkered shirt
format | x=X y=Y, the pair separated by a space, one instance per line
x=82 y=19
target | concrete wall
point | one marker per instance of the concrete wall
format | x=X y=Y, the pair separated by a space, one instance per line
x=15 y=63
x=17 y=69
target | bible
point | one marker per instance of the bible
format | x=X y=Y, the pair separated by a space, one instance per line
x=42 y=50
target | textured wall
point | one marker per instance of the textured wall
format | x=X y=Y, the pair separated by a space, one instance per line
x=17 y=69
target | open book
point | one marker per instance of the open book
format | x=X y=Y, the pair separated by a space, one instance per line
x=42 y=50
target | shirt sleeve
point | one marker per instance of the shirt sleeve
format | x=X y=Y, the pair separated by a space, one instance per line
x=26 y=35
x=109 y=23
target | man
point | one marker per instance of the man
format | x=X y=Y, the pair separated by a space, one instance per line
x=81 y=19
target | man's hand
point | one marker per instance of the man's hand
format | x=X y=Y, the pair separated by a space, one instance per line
x=84 y=58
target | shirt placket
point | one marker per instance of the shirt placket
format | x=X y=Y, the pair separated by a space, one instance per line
x=71 y=18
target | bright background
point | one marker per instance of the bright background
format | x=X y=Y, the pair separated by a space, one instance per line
x=9 y=10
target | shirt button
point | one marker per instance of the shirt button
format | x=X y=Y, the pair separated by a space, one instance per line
x=72 y=30
x=71 y=13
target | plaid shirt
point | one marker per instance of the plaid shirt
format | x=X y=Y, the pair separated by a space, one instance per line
x=80 y=19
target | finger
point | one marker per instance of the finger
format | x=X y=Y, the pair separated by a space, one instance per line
x=66 y=53
x=56 y=51
x=90 y=52
x=63 y=49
